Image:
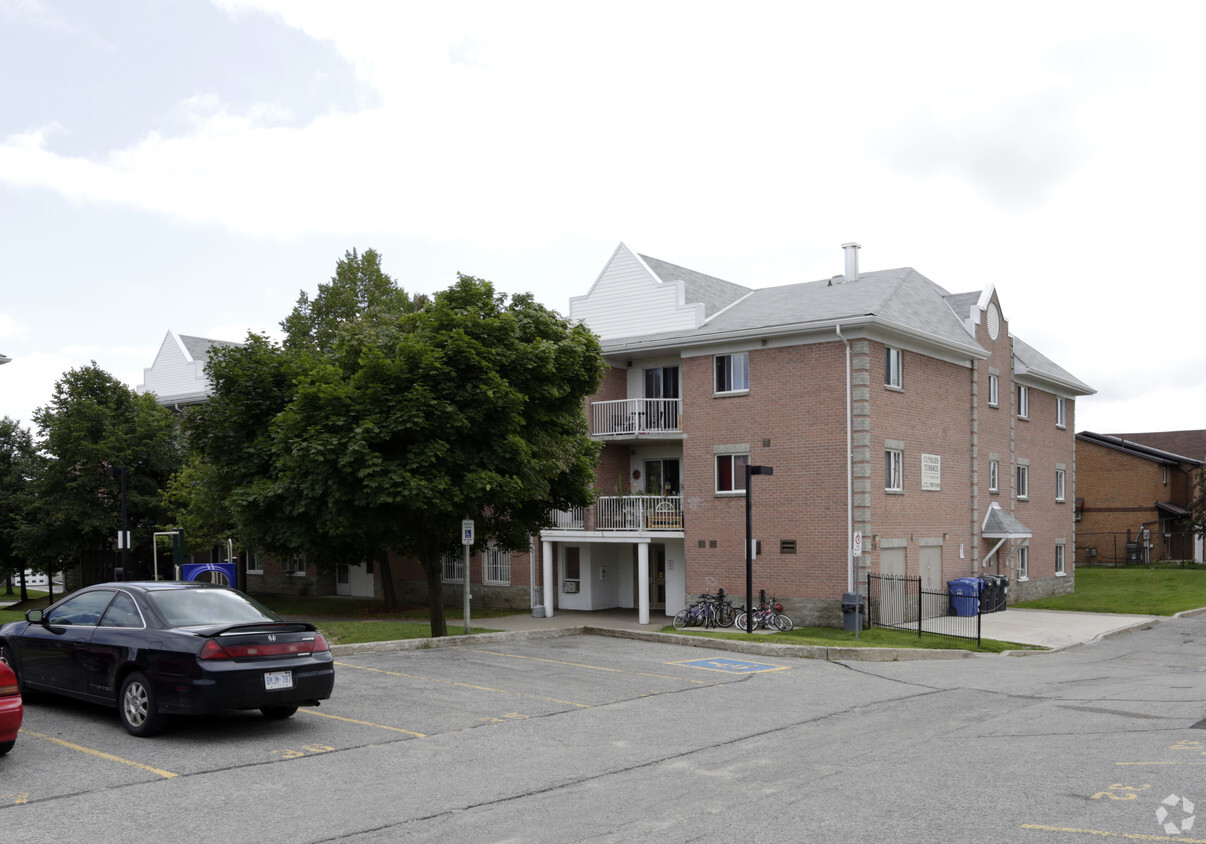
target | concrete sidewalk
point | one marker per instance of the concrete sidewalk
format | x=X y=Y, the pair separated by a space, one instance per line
x=1047 y=628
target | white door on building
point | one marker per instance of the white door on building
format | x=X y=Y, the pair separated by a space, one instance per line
x=933 y=605
x=892 y=594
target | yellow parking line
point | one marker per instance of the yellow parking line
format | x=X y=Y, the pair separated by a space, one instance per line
x=592 y=667
x=165 y=774
x=1134 y=836
x=462 y=685
x=1160 y=763
x=363 y=723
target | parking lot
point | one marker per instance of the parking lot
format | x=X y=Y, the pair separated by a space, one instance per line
x=609 y=739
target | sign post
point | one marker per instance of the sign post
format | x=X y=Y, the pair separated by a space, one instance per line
x=467 y=532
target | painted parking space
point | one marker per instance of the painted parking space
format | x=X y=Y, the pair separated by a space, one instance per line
x=733 y=666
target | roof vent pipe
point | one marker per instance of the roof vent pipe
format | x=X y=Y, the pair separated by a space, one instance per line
x=851 y=250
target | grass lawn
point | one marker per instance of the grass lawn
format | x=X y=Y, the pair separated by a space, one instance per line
x=1138 y=589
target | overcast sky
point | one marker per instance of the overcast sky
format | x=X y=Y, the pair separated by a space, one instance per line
x=194 y=165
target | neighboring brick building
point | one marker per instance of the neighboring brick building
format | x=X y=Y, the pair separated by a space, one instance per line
x=961 y=453
x=1134 y=496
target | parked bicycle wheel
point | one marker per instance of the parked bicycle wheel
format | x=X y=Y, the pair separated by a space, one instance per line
x=783 y=622
x=741 y=622
x=726 y=615
x=682 y=619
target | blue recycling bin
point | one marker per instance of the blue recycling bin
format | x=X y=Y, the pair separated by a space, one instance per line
x=965 y=595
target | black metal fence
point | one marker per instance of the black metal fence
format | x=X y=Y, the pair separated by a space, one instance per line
x=902 y=604
x=1131 y=548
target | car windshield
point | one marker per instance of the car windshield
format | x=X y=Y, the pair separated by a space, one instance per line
x=188 y=607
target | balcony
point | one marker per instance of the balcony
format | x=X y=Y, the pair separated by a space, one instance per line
x=635 y=419
x=636 y=513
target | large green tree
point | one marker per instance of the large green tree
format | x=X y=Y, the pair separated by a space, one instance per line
x=92 y=424
x=409 y=422
x=18 y=465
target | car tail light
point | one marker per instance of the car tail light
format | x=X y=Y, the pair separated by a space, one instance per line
x=9 y=690
x=213 y=649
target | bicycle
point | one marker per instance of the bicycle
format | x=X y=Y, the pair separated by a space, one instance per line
x=707 y=611
x=769 y=614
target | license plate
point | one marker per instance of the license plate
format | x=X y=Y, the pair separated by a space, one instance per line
x=276 y=680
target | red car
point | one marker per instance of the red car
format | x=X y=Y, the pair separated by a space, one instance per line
x=10 y=708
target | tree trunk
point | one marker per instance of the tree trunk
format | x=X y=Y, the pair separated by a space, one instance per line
x=387 y=582
x=435 y=597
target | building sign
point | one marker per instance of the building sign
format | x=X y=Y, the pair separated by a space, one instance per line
x=931 y=471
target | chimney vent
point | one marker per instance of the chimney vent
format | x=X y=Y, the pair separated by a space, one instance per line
x=851 y=250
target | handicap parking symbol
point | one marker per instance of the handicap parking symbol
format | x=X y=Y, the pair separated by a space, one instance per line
x=733 y=666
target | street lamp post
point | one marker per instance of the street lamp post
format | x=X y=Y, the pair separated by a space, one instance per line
x=749 y=542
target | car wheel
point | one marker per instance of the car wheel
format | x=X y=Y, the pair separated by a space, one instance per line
x=138 y=708
x=277 y=713
x=6 y=746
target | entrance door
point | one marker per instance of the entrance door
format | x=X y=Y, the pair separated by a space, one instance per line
x=657 y=577
x=892 y=609
x=933 y=604
x=661 y=382
x=662 y=477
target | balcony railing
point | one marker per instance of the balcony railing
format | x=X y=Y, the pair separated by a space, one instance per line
x=635 y=417
x=625 y=512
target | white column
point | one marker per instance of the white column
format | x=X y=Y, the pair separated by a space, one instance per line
x=643 y=582
x=546 y=557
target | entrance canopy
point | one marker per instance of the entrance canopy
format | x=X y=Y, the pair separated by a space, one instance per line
x=1001 y=526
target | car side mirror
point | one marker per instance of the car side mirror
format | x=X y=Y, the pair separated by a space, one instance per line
x=34 y=617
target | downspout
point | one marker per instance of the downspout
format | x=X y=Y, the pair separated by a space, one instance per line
x=849 y=471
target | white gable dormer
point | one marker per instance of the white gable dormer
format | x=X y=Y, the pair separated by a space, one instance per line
x=628 y=299
x=176 y=376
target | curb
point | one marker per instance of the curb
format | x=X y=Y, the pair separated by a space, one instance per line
x=829 y=654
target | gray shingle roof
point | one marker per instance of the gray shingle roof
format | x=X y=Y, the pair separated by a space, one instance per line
x=714 y=294
x=198 y=347
x=1001 y=525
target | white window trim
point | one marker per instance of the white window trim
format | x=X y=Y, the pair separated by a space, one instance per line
x=494 y=564
x=893 y=368
x=1061 y=412
x=1023 y=480
x=893 y=466
x=255 y=558
x=1061 y=561
x=1061 y=482
x=994 y=475
x=1024 y=563
x=1023 y=401
x=994 y=390
x=731 y=375
x=738 y=477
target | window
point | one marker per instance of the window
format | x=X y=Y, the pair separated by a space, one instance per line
x=732 y=373
x=730 y=472
x=1059 y=484
x=1023 y=563
x=295 y=566
x=994 y=390
x=1023 y=402
x=894 y=470
x=573 y=563
x=994 y=476
x=892 y=367
x=122 y=613
x=82 y=609
x=1061 y=412
x=496 y=567
x=1023 y=481
x=255 y=562
x=1059 y=560
x=452 y=568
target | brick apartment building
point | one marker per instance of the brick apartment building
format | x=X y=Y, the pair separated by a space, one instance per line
x=1135 y=494
x=885 y=406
